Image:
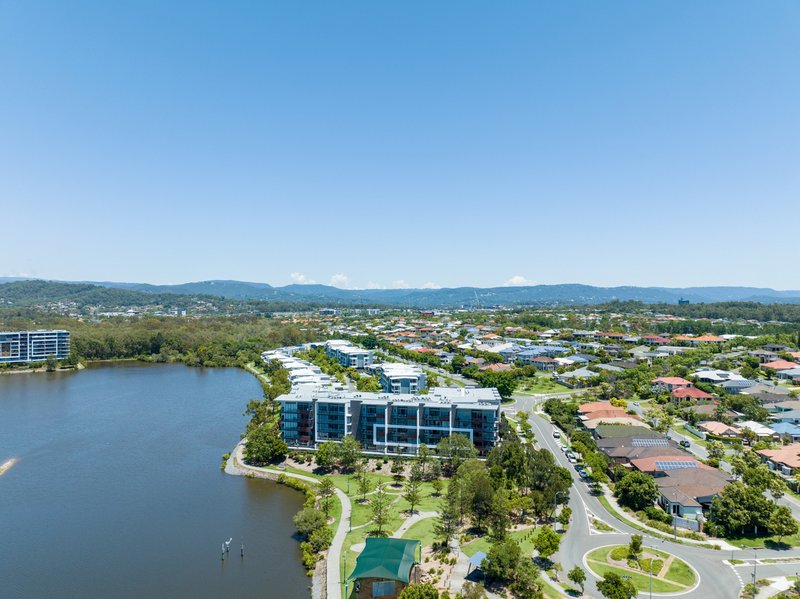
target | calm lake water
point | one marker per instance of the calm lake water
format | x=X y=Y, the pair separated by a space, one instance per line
x=117 y=492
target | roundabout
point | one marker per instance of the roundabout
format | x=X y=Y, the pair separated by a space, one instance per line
x=652 y=570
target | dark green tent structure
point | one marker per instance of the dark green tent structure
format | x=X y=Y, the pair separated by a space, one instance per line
x=386 y=559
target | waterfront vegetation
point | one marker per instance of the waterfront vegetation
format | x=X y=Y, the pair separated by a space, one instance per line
x=203 y=341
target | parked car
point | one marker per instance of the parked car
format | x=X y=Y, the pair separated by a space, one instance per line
x=583 y=474
x=572 y=459
x=685 y=443
x=636 y=403
x=556 y=435
x=563 y=448
x=570 y=455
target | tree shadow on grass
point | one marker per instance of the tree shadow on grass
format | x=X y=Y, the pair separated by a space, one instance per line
x=777 y=545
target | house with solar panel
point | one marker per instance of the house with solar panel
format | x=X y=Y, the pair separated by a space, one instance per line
x=687 y=492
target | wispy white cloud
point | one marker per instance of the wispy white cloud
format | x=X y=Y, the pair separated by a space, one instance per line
x=374 y=285
x=301 y=279
x=399 y=284
x=518 y=281
x=430 y=285
x=340 y=280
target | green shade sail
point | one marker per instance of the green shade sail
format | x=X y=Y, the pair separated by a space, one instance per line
x=386 y=558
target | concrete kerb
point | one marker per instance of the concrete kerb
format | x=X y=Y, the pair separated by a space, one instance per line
x=588 y=568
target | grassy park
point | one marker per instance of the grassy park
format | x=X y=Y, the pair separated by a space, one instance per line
x=670 y=574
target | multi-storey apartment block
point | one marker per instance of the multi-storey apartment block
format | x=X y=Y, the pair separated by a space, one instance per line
x=401 y=378
x=348 y=355
x=33 y=346
x=390 y=423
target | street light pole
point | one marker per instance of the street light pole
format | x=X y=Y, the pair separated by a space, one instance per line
x=755 y=558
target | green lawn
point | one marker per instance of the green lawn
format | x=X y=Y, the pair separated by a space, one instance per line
x=679 y=572
x=759 y=542
x=423 y=531
x=540 y=384
x=525 y=538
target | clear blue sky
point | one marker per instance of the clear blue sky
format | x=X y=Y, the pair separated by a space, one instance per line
x=401 y=143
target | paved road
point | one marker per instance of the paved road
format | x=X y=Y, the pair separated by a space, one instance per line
x=717 y=580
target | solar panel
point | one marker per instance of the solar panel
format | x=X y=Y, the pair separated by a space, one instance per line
x=654 y=442
x=675 y=465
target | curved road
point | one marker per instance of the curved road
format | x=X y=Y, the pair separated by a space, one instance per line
x=718 y=580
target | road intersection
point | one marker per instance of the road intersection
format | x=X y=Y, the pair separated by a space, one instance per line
x=718 y=578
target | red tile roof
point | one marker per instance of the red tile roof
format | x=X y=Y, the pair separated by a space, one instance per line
x=675 y=381
x=780 y=365
x=690 y=393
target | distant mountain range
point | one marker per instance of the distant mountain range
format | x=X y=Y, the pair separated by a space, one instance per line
x=566 y=294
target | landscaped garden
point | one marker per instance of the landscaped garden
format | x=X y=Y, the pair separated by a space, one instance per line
x=669 y=573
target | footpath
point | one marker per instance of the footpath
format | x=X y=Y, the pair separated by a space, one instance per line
x=333 y=578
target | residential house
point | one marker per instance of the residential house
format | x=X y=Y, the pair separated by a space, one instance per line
x=659 y=464
x=778 y=365
x=785 y=460
x=544 y=363
x=669 y=384
x=575 y=378
x=689 y=394
x=720 y=429
x=687 y=492
x=787 y=431
x=761 y=431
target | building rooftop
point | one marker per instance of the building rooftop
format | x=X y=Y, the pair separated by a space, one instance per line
x=462 y=396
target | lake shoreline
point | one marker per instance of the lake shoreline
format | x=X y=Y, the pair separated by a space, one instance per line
x=235 y=466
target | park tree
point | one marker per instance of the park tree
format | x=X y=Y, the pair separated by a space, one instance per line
x=455 y=450
x=437 y=485
x=51 y=363
x=577 y=576
x=325 y=491
x=782 y=523
x=502 y=560
x=636 y=490
x=613 y=586
x=349 y=453
x=379 y=506
x=362 y=480
x=473 y=590
x=527 y=584
x=547 y=542
x=423 y=459
x=264 y=445
x=412 y=494
x=327 y=455
x=446 y=525
x=635 y=546
x=419 y=591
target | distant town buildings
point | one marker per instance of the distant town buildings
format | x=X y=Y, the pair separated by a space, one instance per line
x=21 y=347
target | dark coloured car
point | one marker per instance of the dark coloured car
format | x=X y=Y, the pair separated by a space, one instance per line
x=685 y=443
